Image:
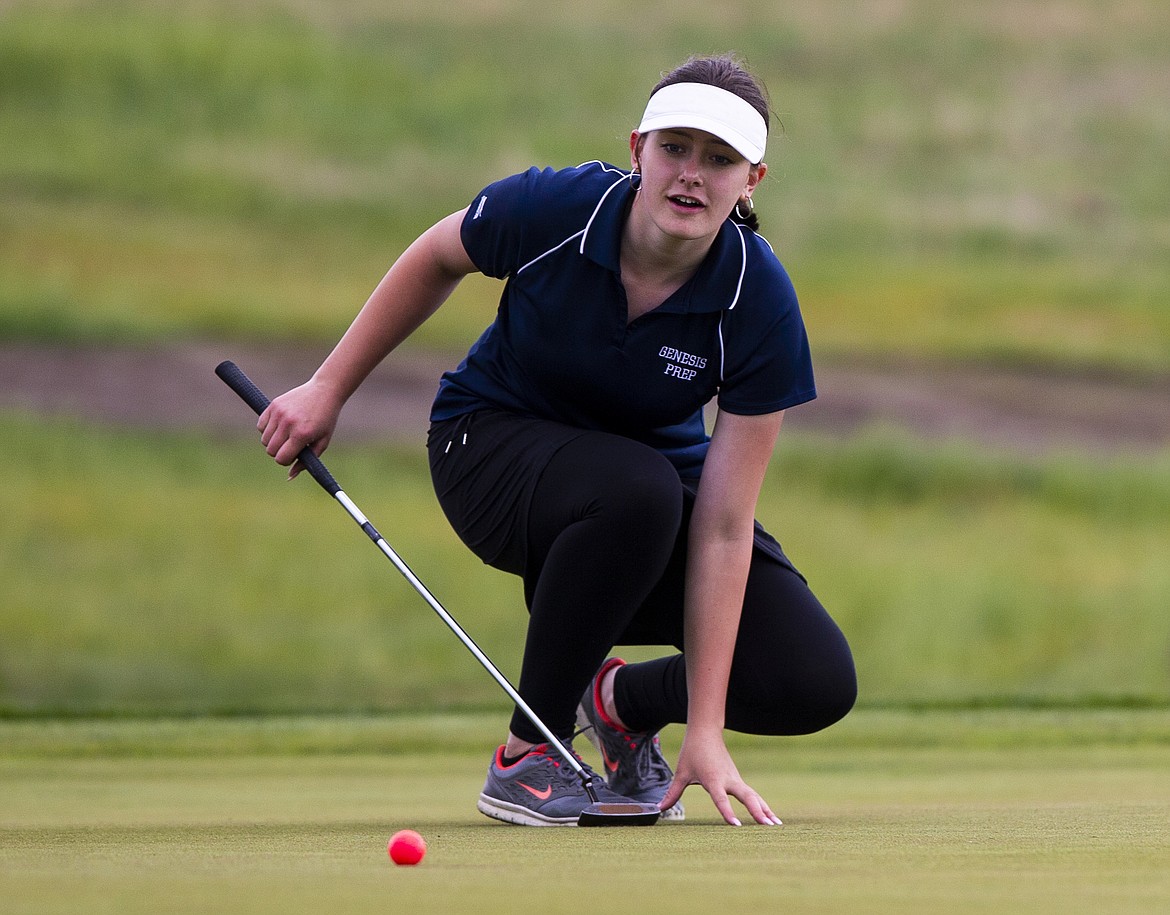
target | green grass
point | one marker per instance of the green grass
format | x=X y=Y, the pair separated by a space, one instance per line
x=147 y=573
x=895 y=811
x=979 y=181
x=961 y=181
x=167 y=573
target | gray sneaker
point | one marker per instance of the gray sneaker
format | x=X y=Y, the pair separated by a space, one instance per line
x=633 y=762
x=540 y=789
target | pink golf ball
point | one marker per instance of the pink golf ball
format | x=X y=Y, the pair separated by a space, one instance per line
x=406 y=847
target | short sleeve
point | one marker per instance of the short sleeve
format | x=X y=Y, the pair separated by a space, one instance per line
x=493 y=229
x=767 y=364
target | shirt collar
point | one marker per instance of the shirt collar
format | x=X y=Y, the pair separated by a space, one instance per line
x=714 y=287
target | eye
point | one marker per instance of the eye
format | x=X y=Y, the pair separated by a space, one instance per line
x=672 y=148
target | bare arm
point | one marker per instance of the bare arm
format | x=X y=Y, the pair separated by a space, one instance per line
x=411 y=291
x=720 y=548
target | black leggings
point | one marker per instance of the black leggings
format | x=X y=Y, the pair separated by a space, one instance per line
x=596 y=525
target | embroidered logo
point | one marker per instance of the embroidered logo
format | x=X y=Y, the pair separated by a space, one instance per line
x=680 y=365
x=479 y=209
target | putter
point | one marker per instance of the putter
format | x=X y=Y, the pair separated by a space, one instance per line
x=596 y=813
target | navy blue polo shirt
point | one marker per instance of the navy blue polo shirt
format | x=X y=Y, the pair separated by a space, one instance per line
x=560 y=347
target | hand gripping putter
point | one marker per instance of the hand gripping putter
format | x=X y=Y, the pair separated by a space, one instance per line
x=596 y=813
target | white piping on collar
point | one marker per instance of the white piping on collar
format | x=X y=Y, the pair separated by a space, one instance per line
x=584 y=234
x=742 y=267
x=597 y=209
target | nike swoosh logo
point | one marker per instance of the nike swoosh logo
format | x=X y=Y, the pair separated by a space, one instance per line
x=542 y=795
x=609 y=763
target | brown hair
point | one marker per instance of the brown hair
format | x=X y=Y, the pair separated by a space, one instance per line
x=727 y=72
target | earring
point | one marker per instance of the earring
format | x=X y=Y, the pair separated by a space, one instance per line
x=751 y=208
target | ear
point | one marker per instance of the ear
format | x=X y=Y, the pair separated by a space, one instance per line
x=755 y=176
x=635 y=149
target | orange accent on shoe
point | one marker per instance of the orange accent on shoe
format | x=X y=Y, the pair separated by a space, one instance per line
x=543 y=795
x=605 y=668
x=539 y=748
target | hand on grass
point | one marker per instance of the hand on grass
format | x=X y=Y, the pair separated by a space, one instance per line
x=706 y=761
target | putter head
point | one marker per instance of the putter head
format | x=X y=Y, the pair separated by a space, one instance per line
x=615 y=814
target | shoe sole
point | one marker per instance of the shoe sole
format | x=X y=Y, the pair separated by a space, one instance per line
x=673 y=814
x=518 y=815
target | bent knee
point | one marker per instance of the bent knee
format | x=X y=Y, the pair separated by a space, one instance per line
x=642 y=490
x=829 y=706
x=794 y=706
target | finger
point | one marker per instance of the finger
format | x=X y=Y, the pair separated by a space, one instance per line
x=767 y=811
x=723 y=805
x=756 y=806
x=673 y=793
x=760 y=812
x=743 y=793
x=269 y=425
x=287 y=453
x=274 y=438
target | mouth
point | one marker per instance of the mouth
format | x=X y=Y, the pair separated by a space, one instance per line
x=687 y=203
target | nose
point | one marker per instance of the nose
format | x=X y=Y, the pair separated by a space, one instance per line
x=690 y=173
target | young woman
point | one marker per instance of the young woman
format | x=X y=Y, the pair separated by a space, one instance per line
x=569 y=448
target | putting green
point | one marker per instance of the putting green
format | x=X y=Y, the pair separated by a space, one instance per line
x=992 y=812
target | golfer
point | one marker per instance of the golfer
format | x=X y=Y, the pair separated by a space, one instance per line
x=569 y=448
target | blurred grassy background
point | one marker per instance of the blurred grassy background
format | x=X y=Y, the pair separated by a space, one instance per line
x=973 y=182
x=964 y=180
x=175 y=574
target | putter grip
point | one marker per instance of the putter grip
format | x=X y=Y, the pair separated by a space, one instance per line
x=233 y=376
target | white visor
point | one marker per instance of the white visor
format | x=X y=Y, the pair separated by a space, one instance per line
x=712 y=109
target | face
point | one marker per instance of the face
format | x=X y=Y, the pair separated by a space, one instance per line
x=691 y=181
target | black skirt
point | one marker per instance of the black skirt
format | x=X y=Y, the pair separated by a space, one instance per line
x=485 y=466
